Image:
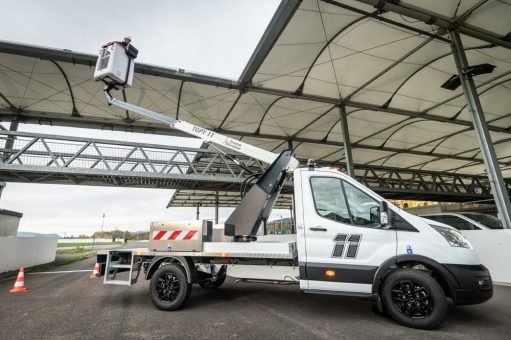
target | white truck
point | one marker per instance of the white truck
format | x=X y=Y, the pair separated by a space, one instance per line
x=349 y=241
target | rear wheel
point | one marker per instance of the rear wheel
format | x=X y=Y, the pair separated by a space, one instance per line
x=169 y=287
x=414 y=299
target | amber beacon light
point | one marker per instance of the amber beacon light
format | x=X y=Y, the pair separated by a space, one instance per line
x=330 y=273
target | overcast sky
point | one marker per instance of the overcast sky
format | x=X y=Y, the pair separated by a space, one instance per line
x=212 y=37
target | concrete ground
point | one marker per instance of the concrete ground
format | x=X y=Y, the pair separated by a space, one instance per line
x=72 y=306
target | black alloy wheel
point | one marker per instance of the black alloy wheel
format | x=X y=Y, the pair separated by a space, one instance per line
x=169 y=287
x=412 y=299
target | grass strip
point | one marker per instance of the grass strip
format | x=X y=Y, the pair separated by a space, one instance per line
x=61 y=260
x=84 y=245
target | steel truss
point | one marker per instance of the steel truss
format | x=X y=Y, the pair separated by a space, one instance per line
x=41 y=158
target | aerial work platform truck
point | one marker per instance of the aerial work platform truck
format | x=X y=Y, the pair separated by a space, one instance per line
x=348 y=241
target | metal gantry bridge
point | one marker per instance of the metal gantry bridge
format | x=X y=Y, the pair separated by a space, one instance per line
x=198 y=173
x=41 y=158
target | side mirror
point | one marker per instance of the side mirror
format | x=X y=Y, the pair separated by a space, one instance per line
x=384 y=213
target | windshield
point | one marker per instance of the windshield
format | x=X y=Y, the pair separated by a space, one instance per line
x=486 y=220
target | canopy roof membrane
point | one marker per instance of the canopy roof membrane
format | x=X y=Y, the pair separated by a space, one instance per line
x=386 y=67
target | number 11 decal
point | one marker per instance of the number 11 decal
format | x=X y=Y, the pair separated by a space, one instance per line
x=346 y=245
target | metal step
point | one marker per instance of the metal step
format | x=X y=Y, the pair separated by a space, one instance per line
x=116 y=263
x=117 y=282
x=128 y=266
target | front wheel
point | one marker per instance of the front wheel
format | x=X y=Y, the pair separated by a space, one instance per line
x=169 y=287
x=414 y=299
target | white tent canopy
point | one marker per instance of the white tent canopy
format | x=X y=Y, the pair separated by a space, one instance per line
x=385 y=67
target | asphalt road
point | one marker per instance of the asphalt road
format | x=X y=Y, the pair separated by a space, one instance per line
x=72 y=306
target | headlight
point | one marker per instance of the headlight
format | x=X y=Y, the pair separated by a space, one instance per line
x=454 y=238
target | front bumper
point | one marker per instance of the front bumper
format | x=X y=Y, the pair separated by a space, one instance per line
x=474 y=283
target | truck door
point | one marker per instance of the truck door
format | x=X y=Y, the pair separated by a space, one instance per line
x=344 y=241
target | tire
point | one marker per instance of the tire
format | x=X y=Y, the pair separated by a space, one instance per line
x=169 y=287
x=414 y=299
x=212 y=284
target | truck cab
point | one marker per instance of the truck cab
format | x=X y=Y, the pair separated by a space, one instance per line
x=405 y=262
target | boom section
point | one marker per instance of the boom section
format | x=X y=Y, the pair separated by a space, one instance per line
x=206 y=135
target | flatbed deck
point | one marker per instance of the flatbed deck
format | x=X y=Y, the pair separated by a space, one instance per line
x=266 y=250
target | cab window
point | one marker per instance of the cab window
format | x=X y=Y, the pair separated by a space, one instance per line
x=457 y=222
x=365 y=211
x=487 y=220
x=433 y=217
x=329 y=199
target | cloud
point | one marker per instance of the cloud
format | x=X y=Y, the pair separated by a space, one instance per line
x=79 y=209
x=214 y=37
x=74 y=210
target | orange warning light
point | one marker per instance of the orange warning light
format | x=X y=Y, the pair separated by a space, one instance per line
x=330 y=273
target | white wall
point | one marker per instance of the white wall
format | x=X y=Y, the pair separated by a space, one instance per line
x=9 y=224
x=494 y=249
x=16 y=252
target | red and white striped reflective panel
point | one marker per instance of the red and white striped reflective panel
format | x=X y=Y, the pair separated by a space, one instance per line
x=175 y=235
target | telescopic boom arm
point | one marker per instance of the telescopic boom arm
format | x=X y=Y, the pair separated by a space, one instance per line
x=206 y=135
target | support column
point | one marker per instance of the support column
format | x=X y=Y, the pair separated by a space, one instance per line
x=293 y=227
x=216 y=207
x=9 y=143
x=346 y=141
x=198 y=212
x=498 y=186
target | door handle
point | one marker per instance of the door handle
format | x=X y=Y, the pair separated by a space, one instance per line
x=318 y=229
